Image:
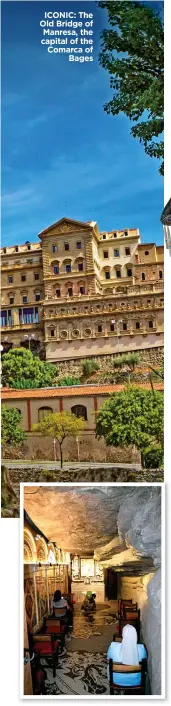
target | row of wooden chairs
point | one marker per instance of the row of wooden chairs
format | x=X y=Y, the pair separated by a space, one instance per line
x=50 y=639
x=128 y=612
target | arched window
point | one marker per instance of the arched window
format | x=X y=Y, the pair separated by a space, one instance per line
x=160 y=274
x=37 y=296
x=55 y=267
x=143 y=276
x=80 y=411
x=42 y=411
x=106 y=272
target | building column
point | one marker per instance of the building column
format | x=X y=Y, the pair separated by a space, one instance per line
x=95 y=407
x=61 y=404
x=29 y=415
x=15 y=316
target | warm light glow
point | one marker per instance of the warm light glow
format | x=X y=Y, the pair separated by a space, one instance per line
x=87 y=567
x=51 y=557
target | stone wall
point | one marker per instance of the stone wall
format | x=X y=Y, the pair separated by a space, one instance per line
x=90 y=449
x=151 y=356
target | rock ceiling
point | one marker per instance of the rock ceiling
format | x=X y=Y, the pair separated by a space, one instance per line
x=120 y=526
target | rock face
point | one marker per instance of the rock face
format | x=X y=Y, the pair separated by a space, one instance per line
x=151 y=629
x=121 y=527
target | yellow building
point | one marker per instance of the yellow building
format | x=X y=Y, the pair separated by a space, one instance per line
x=82 y=293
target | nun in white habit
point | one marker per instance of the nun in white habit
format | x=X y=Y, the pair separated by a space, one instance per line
x=127 y=652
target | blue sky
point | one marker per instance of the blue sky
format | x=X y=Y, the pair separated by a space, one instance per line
x=61 y=154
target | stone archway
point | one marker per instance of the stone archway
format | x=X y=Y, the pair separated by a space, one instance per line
x=42 y=551
x=30 y=552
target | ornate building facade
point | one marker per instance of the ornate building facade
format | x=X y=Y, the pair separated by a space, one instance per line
x=83 y=293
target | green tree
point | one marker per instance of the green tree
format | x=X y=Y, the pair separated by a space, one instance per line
x=127 y=360
x=60 y=425
x=134 y=416
x=68 y=380
x=133 y=54
x=11 y=432
x=22 y=370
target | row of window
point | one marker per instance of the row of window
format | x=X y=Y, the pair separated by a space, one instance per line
x=81 y=269
x=37 y=297
x=23 y=277
x=114 y=235
x=143 y=276
x=67 y=246
x=26 y=316
x=17 y=249
x=68 y=268
x=70 y=291
x=129 y=274
x=118 y=273
x=116 y=253
x=113 y=328
x=78 y=409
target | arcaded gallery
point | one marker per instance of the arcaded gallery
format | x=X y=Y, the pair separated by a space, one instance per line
x=92 y=590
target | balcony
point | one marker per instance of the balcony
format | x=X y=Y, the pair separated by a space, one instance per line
x=19 y=327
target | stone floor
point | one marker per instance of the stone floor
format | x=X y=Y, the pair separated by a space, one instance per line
x=82 y=665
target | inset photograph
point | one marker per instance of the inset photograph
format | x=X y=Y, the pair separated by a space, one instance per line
x=93 y=584
x=82 y=295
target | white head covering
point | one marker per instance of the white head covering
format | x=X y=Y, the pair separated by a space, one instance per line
x=129 y=650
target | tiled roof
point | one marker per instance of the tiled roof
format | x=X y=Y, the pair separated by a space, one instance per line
x=77 y=391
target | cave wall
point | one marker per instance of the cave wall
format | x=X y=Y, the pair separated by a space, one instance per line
x=151 y=631
x=141 y=528
x=135 y=587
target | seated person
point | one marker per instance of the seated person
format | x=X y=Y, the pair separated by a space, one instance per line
x=127 y=652
x=60 y=602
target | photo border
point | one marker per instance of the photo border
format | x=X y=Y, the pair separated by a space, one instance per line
x=163 y=635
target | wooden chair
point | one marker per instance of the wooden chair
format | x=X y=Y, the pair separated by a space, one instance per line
x=46 y=646
x=126 y=669
x=124 y=601
x=54 y=626
x=130 y=614
x=123 y=604
x=59 y=613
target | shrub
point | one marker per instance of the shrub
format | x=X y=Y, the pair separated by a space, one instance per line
x=68 y=380
x=153 y=456
x=129 y=360
x=90 y=366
